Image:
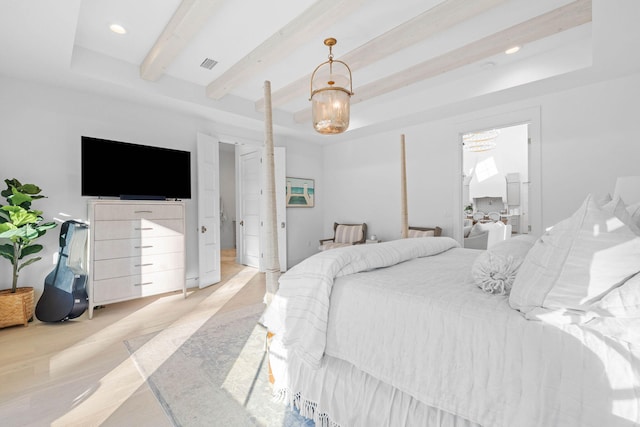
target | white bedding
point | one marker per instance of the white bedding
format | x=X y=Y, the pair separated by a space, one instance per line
x=423 y=328
x=299 y=311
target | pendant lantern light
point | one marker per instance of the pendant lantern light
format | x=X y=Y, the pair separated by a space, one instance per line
x=480 y=141
x=331 y=90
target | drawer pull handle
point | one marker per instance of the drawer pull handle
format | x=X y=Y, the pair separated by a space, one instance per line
x=144 y=228
x=143 y=265
x=143 y=247
x=143 y=284
x=143 y=211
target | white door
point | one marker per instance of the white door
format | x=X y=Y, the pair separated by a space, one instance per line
x=208 y=211
x=251 y=206
x=248 y=221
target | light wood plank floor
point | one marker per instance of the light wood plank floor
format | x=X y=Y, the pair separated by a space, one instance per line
x=78 y=373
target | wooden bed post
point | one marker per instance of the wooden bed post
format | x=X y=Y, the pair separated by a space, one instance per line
x=403 y=189
x=271 y=259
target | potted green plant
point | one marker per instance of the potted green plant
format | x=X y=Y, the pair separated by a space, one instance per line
x=468 y=209
x=20 y=227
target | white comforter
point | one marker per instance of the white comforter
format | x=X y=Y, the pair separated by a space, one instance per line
x=299 y=311
x=422 y=327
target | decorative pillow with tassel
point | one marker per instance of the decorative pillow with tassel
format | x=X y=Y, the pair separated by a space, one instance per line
x=495 y=270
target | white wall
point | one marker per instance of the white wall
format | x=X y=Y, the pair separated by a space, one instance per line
x=40 y=130
x=363 y=179
x=304 y=225
x=588 y=138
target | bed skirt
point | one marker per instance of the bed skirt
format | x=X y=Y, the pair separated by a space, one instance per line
x=337 y=394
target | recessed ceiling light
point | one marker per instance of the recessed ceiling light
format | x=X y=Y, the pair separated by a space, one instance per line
x=512 y=50
x=118 y=29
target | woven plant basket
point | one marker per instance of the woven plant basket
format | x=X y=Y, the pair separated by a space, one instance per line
x=16 y=308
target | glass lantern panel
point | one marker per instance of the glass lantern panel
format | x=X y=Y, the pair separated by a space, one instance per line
x=330 y=111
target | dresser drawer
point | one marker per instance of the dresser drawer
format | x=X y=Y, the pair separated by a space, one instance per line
x=122 y=211
x=137 y=228
x=121 y=267
x=122 y=248
x=140 y=285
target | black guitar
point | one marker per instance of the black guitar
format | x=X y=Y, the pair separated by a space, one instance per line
x=65 y=288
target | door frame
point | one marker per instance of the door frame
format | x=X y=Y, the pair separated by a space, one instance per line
x=530 y=116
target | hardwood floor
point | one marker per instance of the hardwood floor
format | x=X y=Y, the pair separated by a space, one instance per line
x=79 y=373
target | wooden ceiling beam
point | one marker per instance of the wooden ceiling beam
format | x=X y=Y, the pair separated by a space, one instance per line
x=558 y=20
x=435 y=20
x=185 y=23
x=279 y=45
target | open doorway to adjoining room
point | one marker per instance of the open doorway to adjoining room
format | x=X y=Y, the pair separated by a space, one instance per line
x=495 y=185
x=227 y=201
x=243 y=205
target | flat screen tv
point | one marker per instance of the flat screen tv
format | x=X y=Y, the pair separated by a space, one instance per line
x=134 y=171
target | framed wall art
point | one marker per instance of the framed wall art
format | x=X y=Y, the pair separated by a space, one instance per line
x=300 y=193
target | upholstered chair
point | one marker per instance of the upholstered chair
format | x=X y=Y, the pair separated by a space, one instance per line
x=345 y=235
x=424 y=231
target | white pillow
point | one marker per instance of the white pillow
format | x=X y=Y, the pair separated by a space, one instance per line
x=634 y=212
x=623 y=301
x=541 y=266
x=495 y=269
x=579 y=260
x=603 y=199
x=628 y=187
x=625 y=213
x=604 y=254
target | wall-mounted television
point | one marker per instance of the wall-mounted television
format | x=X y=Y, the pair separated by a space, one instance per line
x=134 y=171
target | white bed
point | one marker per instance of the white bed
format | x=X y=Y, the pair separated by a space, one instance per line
x=401 y=334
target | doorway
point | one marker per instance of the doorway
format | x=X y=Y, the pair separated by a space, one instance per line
x=227 y=201
x=234 y=169
x=531 y=188
x=495 y=180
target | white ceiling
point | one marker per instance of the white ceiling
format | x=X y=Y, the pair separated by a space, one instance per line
x=410 y=59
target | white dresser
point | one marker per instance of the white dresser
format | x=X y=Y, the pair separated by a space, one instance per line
x=136 y=249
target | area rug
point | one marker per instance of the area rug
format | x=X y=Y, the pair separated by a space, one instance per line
x=218 y=376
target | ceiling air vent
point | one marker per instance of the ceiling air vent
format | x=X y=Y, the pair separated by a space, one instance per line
x=208 y=63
